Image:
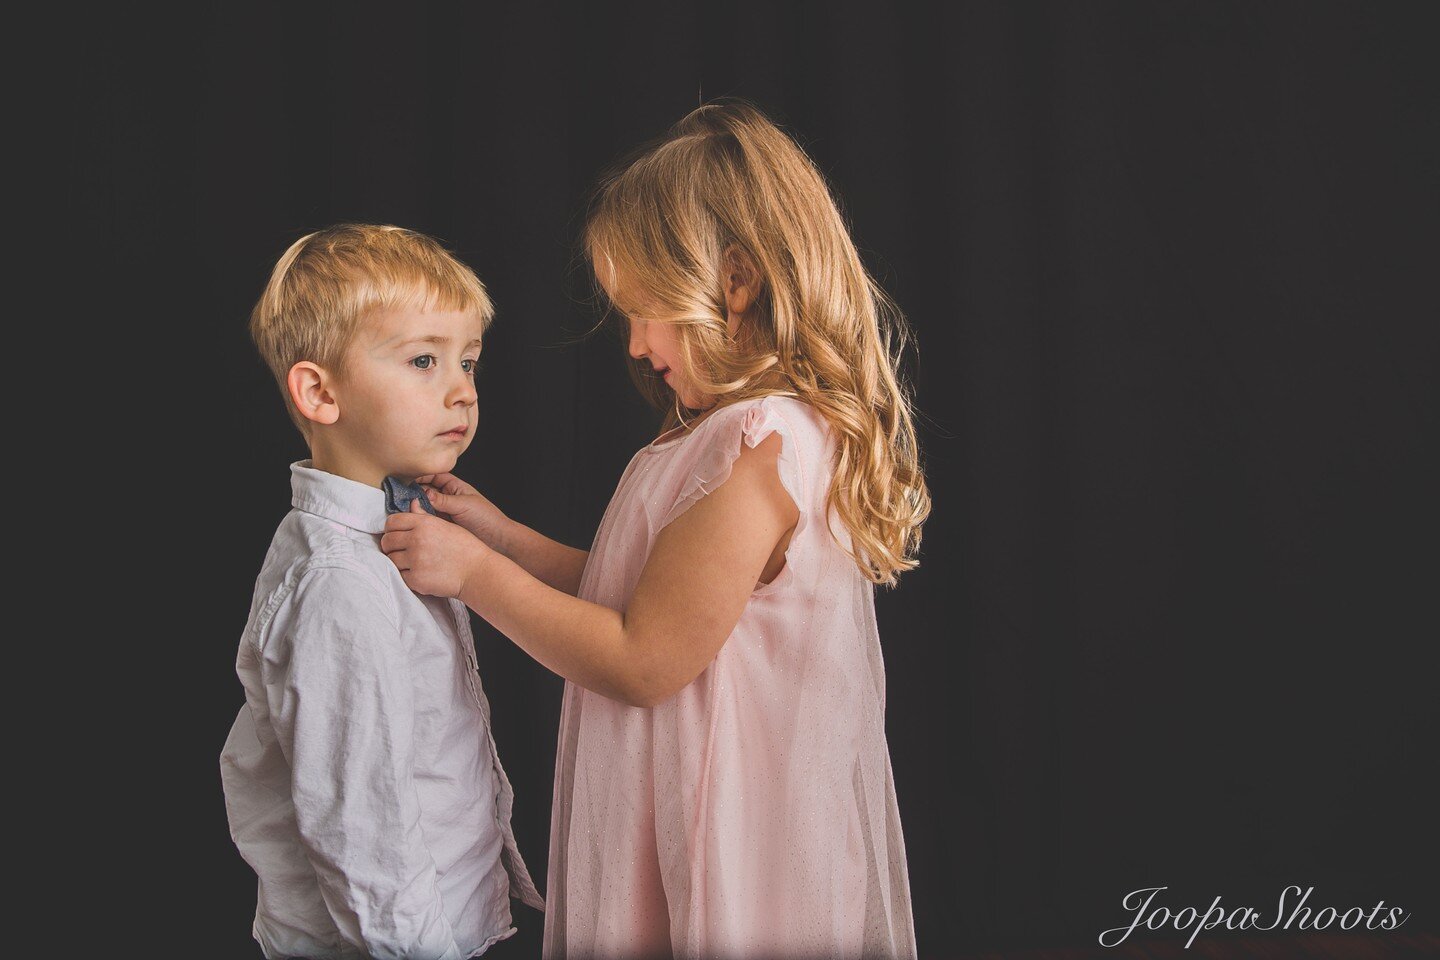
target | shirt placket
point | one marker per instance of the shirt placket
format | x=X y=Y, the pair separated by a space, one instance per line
x=505 y=805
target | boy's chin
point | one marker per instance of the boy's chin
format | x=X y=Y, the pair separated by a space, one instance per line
x=424 y=466
x=444 y=464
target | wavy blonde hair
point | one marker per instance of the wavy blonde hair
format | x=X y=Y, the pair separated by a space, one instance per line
x=726 y=179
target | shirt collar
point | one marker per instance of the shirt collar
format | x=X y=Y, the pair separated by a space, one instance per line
x=356 y=505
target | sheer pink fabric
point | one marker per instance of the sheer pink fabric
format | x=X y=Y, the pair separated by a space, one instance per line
x=752 y=814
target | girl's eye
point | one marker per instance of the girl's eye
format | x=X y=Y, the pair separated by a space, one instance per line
x=427 y=364
x=472 y=369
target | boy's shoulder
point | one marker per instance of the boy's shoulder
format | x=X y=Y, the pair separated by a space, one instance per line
x=330 y=560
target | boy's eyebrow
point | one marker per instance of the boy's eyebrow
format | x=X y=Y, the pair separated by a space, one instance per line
x=433 y=338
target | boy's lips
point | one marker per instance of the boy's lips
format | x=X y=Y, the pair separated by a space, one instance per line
x=457 y=433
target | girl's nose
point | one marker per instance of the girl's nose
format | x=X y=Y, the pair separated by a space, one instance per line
x=638 y=346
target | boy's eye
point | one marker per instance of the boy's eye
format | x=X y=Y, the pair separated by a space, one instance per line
x=470 y=366
x=424 y=361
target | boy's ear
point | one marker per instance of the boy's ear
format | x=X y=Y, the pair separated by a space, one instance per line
x=310 y=391
x=742 y=281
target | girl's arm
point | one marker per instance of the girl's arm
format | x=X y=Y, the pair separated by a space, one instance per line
x=700 y=573
x=547 y=560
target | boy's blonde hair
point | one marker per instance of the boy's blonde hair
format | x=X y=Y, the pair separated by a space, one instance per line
x=726 y=178
x=329 y=282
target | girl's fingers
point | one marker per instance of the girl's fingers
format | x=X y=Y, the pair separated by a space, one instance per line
x=391 y=540
x=451 y=484
x=444 y=483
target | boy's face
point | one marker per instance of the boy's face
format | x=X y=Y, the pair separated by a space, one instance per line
x=406 y=401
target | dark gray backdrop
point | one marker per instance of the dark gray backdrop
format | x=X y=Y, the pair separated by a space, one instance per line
x=1171 y=270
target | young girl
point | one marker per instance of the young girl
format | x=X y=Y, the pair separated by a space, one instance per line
x=723 y=785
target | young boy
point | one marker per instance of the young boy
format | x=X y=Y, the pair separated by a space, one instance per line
x=361 y=779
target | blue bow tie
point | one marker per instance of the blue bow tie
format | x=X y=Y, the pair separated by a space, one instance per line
x=398 y=495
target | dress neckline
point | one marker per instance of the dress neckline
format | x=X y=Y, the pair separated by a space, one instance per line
x=657 y=444
x=660 y=443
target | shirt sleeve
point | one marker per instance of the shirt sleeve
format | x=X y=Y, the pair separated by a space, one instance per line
x=343 y=711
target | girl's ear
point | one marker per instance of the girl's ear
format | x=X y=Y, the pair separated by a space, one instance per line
x=742 y=280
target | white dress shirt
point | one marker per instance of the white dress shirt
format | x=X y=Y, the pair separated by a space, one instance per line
x=361 y=778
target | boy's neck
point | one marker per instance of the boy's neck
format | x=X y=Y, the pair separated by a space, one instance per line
x=351 y=467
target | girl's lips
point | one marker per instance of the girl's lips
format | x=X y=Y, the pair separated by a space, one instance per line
x=454 y=435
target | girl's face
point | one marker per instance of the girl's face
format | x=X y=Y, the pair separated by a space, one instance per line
x=656 y=341
x=653 y=341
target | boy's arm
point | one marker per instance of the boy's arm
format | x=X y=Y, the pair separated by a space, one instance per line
x=343 y=711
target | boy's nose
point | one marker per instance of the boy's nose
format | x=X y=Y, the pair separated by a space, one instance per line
x=464 y=391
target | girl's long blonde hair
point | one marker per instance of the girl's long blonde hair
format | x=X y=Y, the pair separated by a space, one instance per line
x=724 y=180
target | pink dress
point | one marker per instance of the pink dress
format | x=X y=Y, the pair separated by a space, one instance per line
x=752 y=814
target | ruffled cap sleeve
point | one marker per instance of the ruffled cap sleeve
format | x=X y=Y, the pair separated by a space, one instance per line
x=714 y=454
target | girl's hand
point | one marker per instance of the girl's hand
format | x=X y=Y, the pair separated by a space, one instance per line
x=466 y=506
x=433 y=555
